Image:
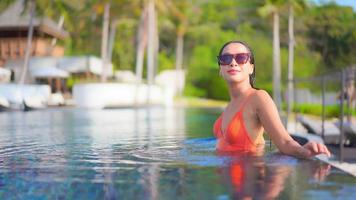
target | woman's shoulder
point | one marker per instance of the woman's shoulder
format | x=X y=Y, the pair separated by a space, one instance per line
x=260 y=94
x=260 y=97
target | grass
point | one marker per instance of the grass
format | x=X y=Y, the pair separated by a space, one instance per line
x=316 y=109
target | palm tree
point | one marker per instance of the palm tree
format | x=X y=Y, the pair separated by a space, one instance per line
x=181 y=14
x=272 y=7
x=104 y=42
x=299 y=5
x=151 y=41
x=141 y=43
x=32 y=7
x=109 y=29
x=147 y=37
x=106 y=46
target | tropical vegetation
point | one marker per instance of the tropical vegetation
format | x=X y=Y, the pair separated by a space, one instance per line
x=190 y=33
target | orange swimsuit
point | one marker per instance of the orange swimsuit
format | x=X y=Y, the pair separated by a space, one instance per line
x=235 y=137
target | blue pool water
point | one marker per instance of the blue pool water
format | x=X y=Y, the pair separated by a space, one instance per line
x=146 y=153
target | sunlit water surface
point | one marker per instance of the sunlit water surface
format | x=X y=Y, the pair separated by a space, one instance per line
x=146 y=153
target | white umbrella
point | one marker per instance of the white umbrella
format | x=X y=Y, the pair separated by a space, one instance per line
x=48 y=72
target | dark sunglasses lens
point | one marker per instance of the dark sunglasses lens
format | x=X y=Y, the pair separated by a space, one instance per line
x=225 y=59
x=241 y=58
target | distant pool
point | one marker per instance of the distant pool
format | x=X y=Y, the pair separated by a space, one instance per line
x=145 y=153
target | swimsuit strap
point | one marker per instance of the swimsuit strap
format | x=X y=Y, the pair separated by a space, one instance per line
x=244 y=102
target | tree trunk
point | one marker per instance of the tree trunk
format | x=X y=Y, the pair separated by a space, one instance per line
x=112 y=34
x=156 y=44
x=150 y=46
x=179 y=52
x=179 y=62
x=29 y=43
x=290 y=96
x=141 y=44
x=104 y=42
x=276 y=62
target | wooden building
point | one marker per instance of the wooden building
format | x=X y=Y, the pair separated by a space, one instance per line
x=14 y=26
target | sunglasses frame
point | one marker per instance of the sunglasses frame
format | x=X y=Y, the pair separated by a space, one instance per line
x=234 y=56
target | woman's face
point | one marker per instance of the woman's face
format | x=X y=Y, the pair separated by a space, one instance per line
x=235 y=72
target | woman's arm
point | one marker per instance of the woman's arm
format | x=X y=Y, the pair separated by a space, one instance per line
x=268 y=115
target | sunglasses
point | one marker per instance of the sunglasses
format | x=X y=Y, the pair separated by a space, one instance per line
x=240 y=58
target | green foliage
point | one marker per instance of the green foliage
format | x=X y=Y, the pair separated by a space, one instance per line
x=316 y=109
x=192 y=91
x=325 y=36
x=165 y=61
x=71 y=81
x=262 y=49
x=203 y=69
x=306 y=62
x=219 y=89
x=4 y=4
x=332 y=33
x=123 y=53
x=212 y=13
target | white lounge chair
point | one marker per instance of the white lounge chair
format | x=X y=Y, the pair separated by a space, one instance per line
x=350 y=131
x=331 y=131
x=4 y=104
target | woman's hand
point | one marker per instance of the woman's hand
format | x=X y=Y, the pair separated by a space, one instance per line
x=321 y=172
x=314 y=148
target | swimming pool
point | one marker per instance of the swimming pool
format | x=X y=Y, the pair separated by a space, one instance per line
x=146 y=153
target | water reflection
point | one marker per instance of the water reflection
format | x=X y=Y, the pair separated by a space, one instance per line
x=145 y=153
x=252 y=177
x=140 y=131
x=316 y=171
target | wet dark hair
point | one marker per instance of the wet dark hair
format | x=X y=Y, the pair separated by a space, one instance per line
x=252 y=59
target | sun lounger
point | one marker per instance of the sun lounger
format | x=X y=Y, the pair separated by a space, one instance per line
x=350 y=131
x=4 y=104
x=331 y=133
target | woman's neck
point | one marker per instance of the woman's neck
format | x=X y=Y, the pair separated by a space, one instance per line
x=238 y=90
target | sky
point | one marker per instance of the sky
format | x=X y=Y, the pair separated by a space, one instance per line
x=351 y=3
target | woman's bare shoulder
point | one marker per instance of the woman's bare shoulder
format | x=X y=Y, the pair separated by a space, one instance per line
x=261 y=98
x=261 y=95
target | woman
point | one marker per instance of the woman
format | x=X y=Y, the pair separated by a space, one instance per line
x=251 y=111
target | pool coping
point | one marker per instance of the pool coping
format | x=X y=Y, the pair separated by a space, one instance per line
x=347 y=167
